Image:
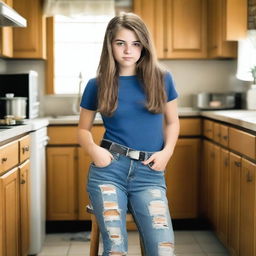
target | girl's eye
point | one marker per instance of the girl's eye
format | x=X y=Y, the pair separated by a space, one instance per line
x=120 y=43
x=137 y=44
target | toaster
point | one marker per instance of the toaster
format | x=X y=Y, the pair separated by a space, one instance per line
x=212 y=101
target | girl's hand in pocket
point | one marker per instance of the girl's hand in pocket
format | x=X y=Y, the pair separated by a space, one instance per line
x=100 y=156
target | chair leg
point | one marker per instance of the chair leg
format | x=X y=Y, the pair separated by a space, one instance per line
x=95 y=233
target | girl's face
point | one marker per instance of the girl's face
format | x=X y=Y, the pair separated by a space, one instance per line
x=126 y=51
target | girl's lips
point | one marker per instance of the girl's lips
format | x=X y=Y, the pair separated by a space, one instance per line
x=127 y=58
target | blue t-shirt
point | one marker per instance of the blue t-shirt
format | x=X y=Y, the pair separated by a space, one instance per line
x=131 y=125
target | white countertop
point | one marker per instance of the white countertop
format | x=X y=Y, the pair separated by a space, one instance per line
x=28 y=126
x=242 y=118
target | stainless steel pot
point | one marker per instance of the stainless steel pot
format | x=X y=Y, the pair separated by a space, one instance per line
x=14 y=106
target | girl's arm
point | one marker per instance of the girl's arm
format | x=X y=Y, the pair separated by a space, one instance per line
x=171 y=132
x=100 y=156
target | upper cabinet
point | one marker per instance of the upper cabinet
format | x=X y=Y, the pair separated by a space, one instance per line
x=6 y=38
x=194 y=29
x=178 y=27
x=30 y=42
x=227 y=22
x=185 y=29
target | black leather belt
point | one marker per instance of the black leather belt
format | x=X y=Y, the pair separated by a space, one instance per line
x=116 y=148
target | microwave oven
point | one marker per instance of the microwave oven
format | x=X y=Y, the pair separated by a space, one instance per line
x=22 y=85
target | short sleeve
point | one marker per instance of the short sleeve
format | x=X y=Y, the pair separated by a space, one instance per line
x=90 y=97
x=170 y=87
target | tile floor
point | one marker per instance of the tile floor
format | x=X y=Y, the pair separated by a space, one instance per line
x=188 y=243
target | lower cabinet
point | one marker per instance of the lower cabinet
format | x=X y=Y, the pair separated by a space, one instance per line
x=182 y=174
x=15 y=199
x=10 y=206
x=247 y=214
x=67 y=168
x=62 y=183
x=234 y=204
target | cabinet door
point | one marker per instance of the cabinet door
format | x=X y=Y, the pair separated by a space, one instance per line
x=185 y=29
x=61 y=183
x=204 y=180
x=9 y=213
x=234 y=203
x=222 y=229
x=247 y=214
x=30 y=42
x=217 y=18
x=24 y=206
x=6 y=38
x=213 y=184
x=83 y=168
x=152 y=13
x=84 y=162
x=182 y=179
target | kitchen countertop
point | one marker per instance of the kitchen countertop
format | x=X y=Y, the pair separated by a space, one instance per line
x=243 y=118
x=29 y=125
x=73 y=119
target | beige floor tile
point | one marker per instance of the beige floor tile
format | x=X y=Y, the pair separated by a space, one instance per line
x=184 y=237
x=55 y=249
x=188 y=248
x=78 y=249
x=216 y=247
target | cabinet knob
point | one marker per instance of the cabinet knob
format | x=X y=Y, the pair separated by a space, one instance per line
x=25 y=149
x=22 y=181
x=237 y=164
x=226 y=162
x=4 y=159
x=249 y=177
x=165 y=49
x=225 y=137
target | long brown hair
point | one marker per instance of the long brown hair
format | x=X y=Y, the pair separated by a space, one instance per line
x=147 y=68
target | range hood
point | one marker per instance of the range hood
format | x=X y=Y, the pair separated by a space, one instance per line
x=10 y=18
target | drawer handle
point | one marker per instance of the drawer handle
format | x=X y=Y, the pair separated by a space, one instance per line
x=238 y=164
x=25 y=149
x=226 y=162
x=249 y=177
x=225 y=137
x=4 y=159
x=22 y=181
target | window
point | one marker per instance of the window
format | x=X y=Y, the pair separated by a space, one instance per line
x=77 y=47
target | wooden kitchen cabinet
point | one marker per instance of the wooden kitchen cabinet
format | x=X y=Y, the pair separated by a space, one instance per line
x=247 y=214
x=213 y=184
x=61 y=183
x=178 y=26
x=10 y=212
x=218 y=29
x=67 y=168
x=6 y=38
x=223 y=214
x=234 y=204
x=24 y=180
x=182 y=179
x=14 y=199
x=30 y=42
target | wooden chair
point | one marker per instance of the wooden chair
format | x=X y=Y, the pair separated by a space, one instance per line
x=95 y=233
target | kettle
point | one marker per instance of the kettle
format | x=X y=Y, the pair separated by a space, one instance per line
x=13 y=106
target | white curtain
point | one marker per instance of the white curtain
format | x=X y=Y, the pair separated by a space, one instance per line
x=79 y=7
x=246 y=58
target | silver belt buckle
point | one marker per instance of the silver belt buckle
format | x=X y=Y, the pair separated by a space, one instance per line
x=134 y=154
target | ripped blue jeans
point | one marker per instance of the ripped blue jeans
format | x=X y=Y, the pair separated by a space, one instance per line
x=127 y=184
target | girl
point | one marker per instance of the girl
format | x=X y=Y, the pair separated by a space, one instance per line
x=137 y=101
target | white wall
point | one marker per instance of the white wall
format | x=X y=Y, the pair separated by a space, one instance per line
x=191 y=76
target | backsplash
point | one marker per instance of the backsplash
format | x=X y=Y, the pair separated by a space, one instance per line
x=190 y=76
